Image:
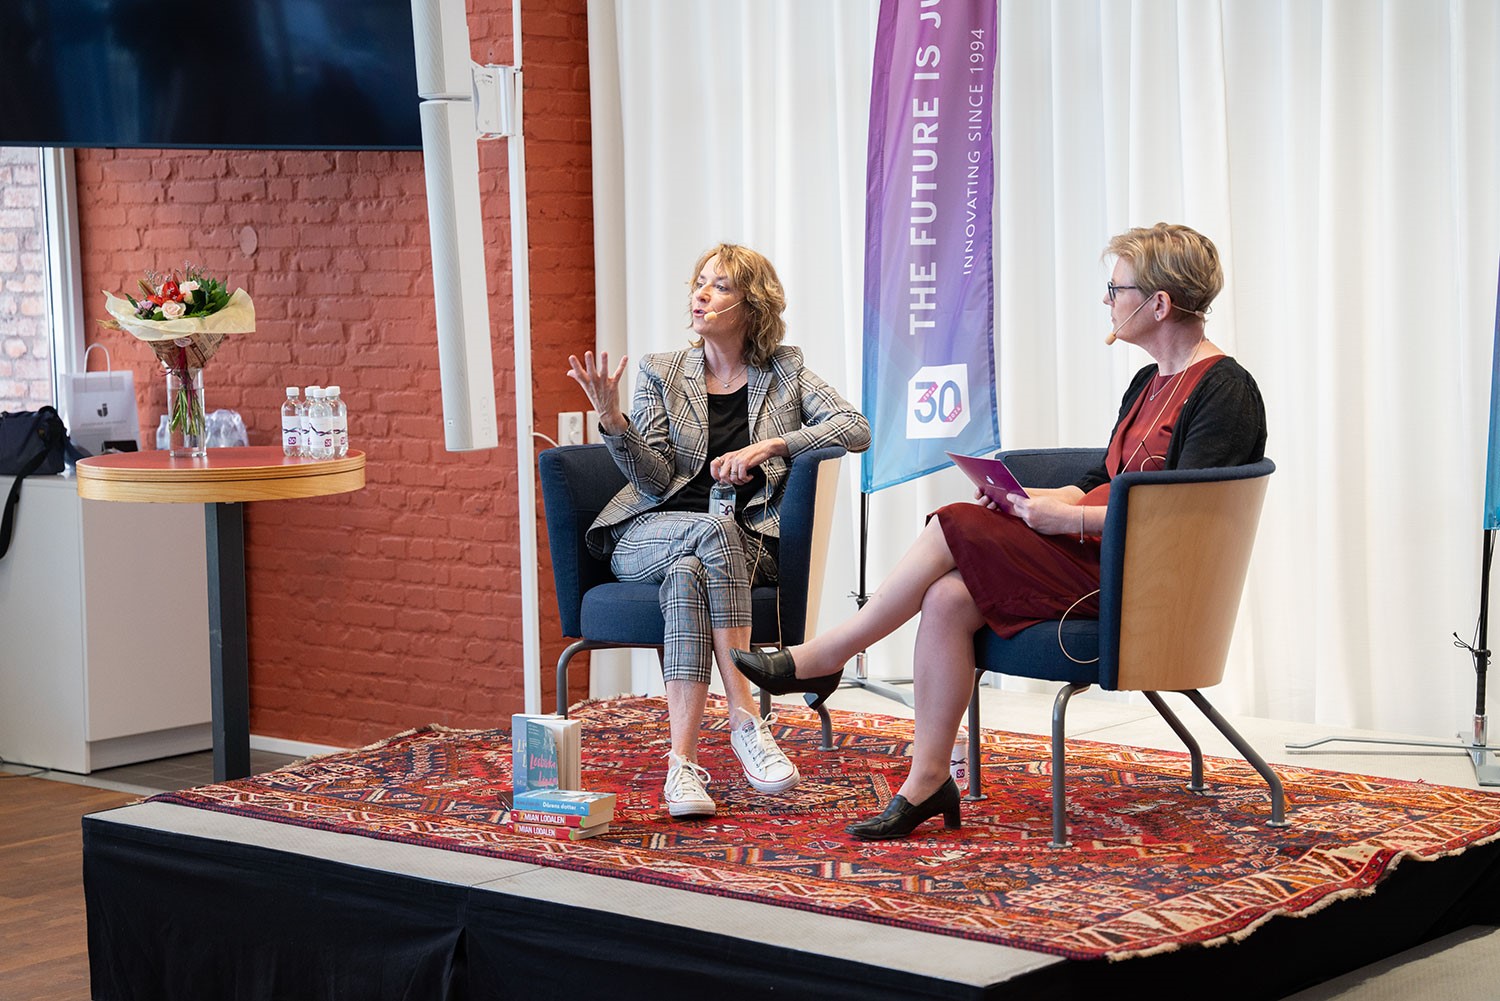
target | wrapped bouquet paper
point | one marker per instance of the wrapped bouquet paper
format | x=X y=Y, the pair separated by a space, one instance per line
x=184 y=319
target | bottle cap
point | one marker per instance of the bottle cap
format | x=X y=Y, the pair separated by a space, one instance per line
x=333 y=390
x=291 y=392
x=313 y=389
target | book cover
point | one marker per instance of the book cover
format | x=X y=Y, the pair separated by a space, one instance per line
x=518 y=749
x=598 y=806
x=540 y=768
x=563 y=734
x=558 y=832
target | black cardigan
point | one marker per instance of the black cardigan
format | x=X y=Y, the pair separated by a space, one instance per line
x=1223 y=422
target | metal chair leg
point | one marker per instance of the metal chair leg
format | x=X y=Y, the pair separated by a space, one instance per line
x=827 y=723
x=1278 y=796
x=976 y=790
x=562 y=674
x=1196 y=785
x=1059 y=789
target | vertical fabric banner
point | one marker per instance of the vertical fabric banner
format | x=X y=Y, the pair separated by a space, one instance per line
x=1492 y=467
x=929 y=360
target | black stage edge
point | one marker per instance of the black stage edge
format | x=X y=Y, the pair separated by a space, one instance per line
x=175 y=917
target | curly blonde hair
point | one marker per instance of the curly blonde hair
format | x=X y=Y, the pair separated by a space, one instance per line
x=1174 y=259
x=765 y=300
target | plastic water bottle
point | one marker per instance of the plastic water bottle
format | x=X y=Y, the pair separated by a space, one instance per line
x=291 y=423
x=958 y=764
x=307 y=429
x=721 y=499
x=320 y=416
x=340 y=422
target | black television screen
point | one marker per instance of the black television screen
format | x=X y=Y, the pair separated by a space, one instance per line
x=226 y=74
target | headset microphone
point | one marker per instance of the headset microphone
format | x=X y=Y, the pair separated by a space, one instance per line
x=714 y=315
x=1111 y=338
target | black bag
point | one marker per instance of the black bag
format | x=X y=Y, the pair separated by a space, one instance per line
x=30 y=442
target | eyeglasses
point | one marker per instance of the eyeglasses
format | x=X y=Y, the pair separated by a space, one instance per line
x=1113 y=288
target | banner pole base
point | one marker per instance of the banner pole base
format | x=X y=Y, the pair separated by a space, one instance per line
x=1486 y=765
x=1483 y=756
x=885 y=687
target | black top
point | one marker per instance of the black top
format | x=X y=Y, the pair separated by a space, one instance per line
x=728 y=431
x=1223 y=422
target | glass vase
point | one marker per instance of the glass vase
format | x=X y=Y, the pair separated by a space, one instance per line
x=185 y=421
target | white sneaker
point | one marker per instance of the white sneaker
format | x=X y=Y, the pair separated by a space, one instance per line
x=684 y=793
x=766 y=767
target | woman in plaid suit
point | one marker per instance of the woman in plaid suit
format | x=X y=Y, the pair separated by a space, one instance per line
x=731 y=409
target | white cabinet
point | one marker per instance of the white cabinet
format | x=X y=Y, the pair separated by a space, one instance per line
x=104 y=655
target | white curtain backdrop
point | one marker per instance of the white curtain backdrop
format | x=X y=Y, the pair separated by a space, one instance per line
x=1343 y=156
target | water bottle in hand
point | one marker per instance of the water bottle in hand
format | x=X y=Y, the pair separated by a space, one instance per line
x=721 y=499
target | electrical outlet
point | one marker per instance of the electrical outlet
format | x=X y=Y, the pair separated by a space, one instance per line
x=591 y=427
x=570 y=428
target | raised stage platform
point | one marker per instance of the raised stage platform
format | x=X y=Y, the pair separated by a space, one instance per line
x=191 y=903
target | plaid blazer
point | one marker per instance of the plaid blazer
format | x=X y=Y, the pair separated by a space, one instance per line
x=666 y=444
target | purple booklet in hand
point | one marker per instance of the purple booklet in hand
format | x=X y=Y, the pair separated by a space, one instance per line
x=992 y=478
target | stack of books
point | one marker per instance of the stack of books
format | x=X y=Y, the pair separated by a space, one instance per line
x=547 y=800
x=562 y=814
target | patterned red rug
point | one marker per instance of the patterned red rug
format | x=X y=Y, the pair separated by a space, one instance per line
x=1154 y=866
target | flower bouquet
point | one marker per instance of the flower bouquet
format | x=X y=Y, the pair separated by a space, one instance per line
x=184 y=319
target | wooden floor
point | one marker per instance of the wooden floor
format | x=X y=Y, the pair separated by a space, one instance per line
x=43 y=945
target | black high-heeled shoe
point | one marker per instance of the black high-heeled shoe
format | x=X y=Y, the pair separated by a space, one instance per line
x=901 y=817
x=776 y=672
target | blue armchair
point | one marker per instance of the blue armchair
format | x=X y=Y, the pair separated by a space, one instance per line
x=1176 y=547
x=578 y=480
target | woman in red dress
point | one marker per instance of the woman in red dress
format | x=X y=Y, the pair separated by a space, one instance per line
x=974 y=565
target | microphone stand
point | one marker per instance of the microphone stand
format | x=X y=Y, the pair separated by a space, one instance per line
x=862 y=677
x=1480 y=752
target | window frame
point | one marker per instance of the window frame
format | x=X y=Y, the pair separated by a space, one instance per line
x=64 y=267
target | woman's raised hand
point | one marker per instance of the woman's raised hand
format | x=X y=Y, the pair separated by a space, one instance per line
x=602 y=386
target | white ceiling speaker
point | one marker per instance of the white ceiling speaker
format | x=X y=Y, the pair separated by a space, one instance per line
x=450 y=160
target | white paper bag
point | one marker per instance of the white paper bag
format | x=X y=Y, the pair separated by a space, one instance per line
x=100 y=406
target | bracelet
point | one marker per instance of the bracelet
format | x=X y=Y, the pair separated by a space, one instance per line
x=1080 y=523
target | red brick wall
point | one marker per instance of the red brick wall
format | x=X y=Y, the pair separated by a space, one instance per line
x=400 y=604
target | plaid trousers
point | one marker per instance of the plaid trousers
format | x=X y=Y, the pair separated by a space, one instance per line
x=699 y=560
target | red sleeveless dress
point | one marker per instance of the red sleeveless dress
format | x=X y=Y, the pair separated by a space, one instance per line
x=1019 y=577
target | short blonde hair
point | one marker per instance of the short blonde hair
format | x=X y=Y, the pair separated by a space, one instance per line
x=765 y=301
x=1174 y=259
